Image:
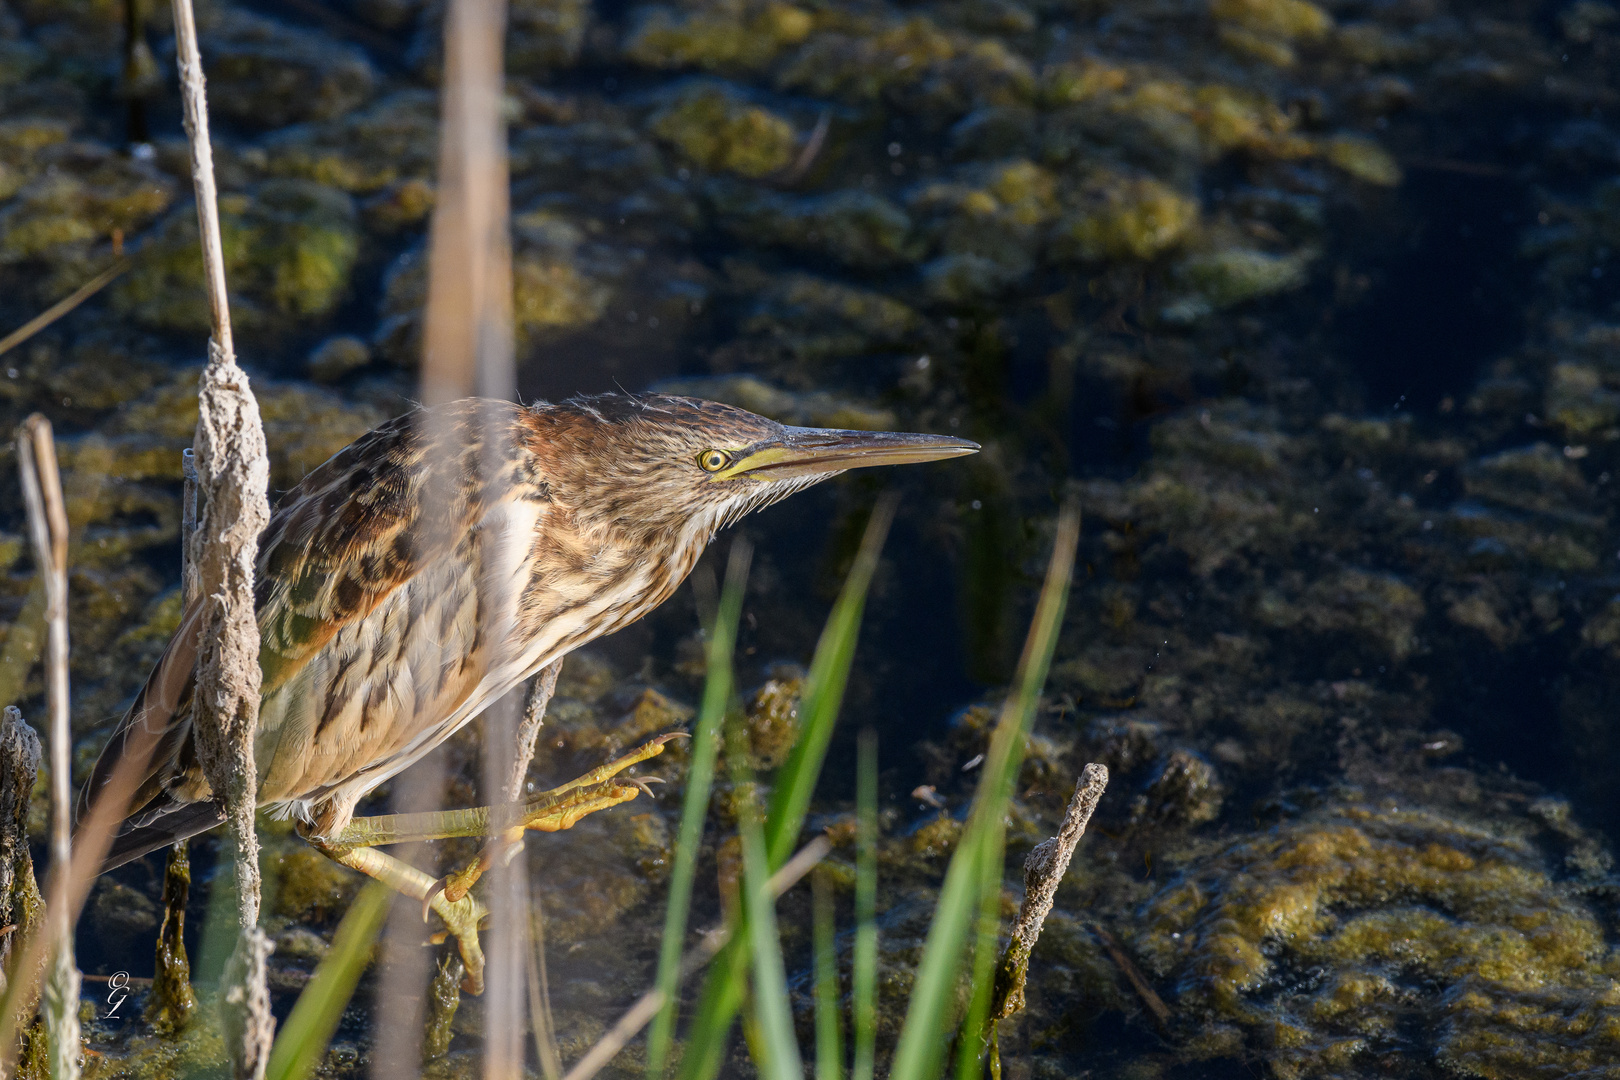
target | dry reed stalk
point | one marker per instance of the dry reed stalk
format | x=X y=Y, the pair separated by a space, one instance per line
x=467 y=326
x=233 y=472
x=469 y=316
x=48 y=528
x=467 y=349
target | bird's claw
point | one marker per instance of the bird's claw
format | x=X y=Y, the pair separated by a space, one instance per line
x=427 y=901
x=462 y=919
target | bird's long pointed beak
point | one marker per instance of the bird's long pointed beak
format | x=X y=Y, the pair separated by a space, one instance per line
x=817 y=451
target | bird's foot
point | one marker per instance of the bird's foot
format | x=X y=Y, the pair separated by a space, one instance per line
x=559 y=809
x=462 y=919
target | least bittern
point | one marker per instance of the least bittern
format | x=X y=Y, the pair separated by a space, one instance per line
x=430 y=567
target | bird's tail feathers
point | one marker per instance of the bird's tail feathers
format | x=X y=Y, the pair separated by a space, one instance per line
x=182 y=822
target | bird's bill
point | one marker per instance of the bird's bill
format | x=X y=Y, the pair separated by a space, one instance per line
x=817 y=451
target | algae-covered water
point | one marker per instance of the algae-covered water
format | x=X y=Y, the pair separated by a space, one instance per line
x=1312 y=304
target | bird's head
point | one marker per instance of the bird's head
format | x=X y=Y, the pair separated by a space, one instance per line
x=659 y=462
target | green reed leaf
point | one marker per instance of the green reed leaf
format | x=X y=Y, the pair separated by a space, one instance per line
x=829 y=1037
x=723 y=990
x=777 y=1046
x=919 y=1052
x=863 y=973
x=303 y=1038
x=717 y=691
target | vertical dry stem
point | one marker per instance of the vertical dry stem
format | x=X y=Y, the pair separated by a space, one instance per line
x=233 y=474
x=48 y=527
x=467 y=328
x=467 y=348
x=468 y=331
x=1044 y=868
x=528 y=732
x=172 y=1001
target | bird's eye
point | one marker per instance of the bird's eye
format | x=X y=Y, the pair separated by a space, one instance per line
x=713 y=460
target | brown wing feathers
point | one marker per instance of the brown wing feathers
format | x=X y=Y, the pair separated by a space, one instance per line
x=352 y=531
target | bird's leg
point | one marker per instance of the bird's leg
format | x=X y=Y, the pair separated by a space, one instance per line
x=549 y=811
x=553 y=811
x=461 y=917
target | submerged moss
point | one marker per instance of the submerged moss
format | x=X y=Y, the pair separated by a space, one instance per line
x=712 y=127
x=1415 y=918
x=268 y=74
x=289 y=249
x=1128 y=218
x=721 y=37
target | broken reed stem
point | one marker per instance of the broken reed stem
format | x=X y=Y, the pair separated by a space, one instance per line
x=48 y=527
x=172 y=1001
x=233 y=473
x=1044 y=868
x=541 y=688
x=21 y=906
x=20 y=903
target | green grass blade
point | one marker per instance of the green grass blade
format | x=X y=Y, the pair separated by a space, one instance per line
x=970 y=1042
x=717 y=692
x=918 y=1054
x=829 y=1039
x=303 y=1038
x=777 y=1045
x=824 y=693
x=790 y=798
x=705 y=1048
x=863 y=969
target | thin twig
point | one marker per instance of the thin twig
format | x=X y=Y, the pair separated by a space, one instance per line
x=1044 y=868
x=712 y=941
x=234 y=475
x=808 y=154
x=543 y=685
x=1133 y=975
x=48 y=526
x=63 y=306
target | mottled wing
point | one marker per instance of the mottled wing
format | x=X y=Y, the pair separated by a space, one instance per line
x=400 y=499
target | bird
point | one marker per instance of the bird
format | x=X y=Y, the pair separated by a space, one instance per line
x=439 y=561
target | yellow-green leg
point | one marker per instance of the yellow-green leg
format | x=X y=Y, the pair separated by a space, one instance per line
x=549 y=811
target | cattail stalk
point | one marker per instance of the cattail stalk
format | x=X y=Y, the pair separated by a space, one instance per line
x=233 y=474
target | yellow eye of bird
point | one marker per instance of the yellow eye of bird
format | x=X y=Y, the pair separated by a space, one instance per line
x=713 y=460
